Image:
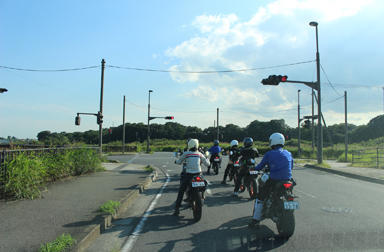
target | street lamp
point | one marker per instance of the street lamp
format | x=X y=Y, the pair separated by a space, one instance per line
x=3 y=90
x=149 y=115
x=319 y=127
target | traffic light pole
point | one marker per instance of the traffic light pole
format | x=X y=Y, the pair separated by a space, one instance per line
x=298 y=122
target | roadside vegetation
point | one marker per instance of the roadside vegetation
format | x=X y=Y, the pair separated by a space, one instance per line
x=110 y=207
x=28 y=174
x=62 y=243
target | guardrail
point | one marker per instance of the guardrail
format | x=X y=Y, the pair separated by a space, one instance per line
x=6 y=156
x=368 y=158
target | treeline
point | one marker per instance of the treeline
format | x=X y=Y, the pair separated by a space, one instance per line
x=259 y=131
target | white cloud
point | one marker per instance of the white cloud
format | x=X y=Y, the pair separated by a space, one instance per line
x=333 y=117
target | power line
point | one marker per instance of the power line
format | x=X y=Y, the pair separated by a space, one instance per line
x=48 y=70
x=329 y=83
x=209 y=72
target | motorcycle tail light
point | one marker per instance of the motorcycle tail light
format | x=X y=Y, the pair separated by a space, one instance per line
x=198 y=179
x=290 y=198
x=287 y=185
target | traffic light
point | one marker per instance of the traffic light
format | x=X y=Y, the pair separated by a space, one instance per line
x=99 y=118
x=77 y=120
x=274 y=80
x=169 y=117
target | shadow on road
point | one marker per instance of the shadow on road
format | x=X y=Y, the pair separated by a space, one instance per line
x=231 y=236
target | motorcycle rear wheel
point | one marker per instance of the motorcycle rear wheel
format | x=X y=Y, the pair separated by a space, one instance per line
x=286 y=224
x=197 y=205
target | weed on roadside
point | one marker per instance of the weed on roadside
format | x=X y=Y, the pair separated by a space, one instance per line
x=62 y=243
x=110 y=207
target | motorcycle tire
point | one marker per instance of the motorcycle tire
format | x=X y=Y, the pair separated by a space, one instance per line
x=286 y=224
x=197 y=206
x=252 y=190
x=216 y=169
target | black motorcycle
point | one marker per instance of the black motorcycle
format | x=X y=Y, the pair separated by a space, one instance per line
x=248 y=181
x=195 y=192
x=280 y=204
x=216 y=163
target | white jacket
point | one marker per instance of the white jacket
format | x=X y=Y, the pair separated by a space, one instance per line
x=193 y=159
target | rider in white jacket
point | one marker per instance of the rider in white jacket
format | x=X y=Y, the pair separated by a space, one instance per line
x=193 y=159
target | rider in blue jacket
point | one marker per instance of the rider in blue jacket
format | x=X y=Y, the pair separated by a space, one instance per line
x=280 y=163
x=215 y=150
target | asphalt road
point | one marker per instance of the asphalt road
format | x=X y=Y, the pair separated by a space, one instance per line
x=336 y=214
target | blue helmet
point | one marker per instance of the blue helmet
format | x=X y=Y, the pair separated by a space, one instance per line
x=216 y=142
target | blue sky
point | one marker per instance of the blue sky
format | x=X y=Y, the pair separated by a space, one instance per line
x=185 y=36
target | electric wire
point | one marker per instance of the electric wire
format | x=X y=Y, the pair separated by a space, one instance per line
x=329 y=82
x=48 y=70
x=209 y=72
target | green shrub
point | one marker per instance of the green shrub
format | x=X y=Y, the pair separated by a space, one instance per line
x=25 y=175
x=62 y=243
x=110 y=207
x=84 y=161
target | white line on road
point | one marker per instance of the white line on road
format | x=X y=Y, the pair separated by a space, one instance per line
x=306 y=194
x=131 y=160
x=139 y=228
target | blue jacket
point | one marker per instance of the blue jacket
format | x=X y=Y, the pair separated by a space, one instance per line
x=214 y=149
x=280 y=162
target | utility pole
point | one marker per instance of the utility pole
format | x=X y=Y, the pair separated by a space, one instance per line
x=313 y=120
x=298 y=122
x=383 y=99
x=149 y=115
x=319 y=127
x=101 y=107
x=124 y=124
x=218 y=131
x=346 y=126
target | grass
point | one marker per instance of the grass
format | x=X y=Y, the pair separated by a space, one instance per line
x=149 y=168
x=62 y=243
x=110 y=207
x=27 y=174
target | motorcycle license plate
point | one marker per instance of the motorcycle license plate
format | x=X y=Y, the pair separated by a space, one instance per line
x=236 y=165
x=253 y=172
x=291 y=205
x=198 y=184
x=217 y=159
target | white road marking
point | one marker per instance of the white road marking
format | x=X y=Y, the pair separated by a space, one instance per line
x=306 y=194
x=131 y=160
x=139 y=228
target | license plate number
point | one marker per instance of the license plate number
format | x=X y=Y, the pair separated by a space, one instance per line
x=291 y=205
x=217 y=159
x=236 y=165
x=198 y=184
x=253 y=172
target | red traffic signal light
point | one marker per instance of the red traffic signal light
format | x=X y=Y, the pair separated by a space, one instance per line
x=169 y=117
x=274 y=80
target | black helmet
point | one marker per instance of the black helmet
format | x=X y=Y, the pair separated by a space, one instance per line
x=216 y=142
x=248 y=142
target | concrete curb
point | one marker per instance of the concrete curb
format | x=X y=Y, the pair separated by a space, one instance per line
x=94 y=231
x=347 y=174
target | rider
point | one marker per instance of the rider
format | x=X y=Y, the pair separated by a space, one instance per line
x=280 y=163
x=234 y=154
x=214 y=151
x=246 y=153
x=193 y=158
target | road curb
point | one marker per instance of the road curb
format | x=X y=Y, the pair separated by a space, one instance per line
x=347 y=174
x=94 y=231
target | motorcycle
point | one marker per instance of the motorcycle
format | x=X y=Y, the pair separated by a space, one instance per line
x=216 y=163
x=280 y=204
x=234 y=171
x=195 y=192
x=248 y=181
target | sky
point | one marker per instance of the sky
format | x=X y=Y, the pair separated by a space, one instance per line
x=174 y=37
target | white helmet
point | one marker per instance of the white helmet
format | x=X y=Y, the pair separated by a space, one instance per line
x=193 y=143
x=234 y=143
x=276 y=139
